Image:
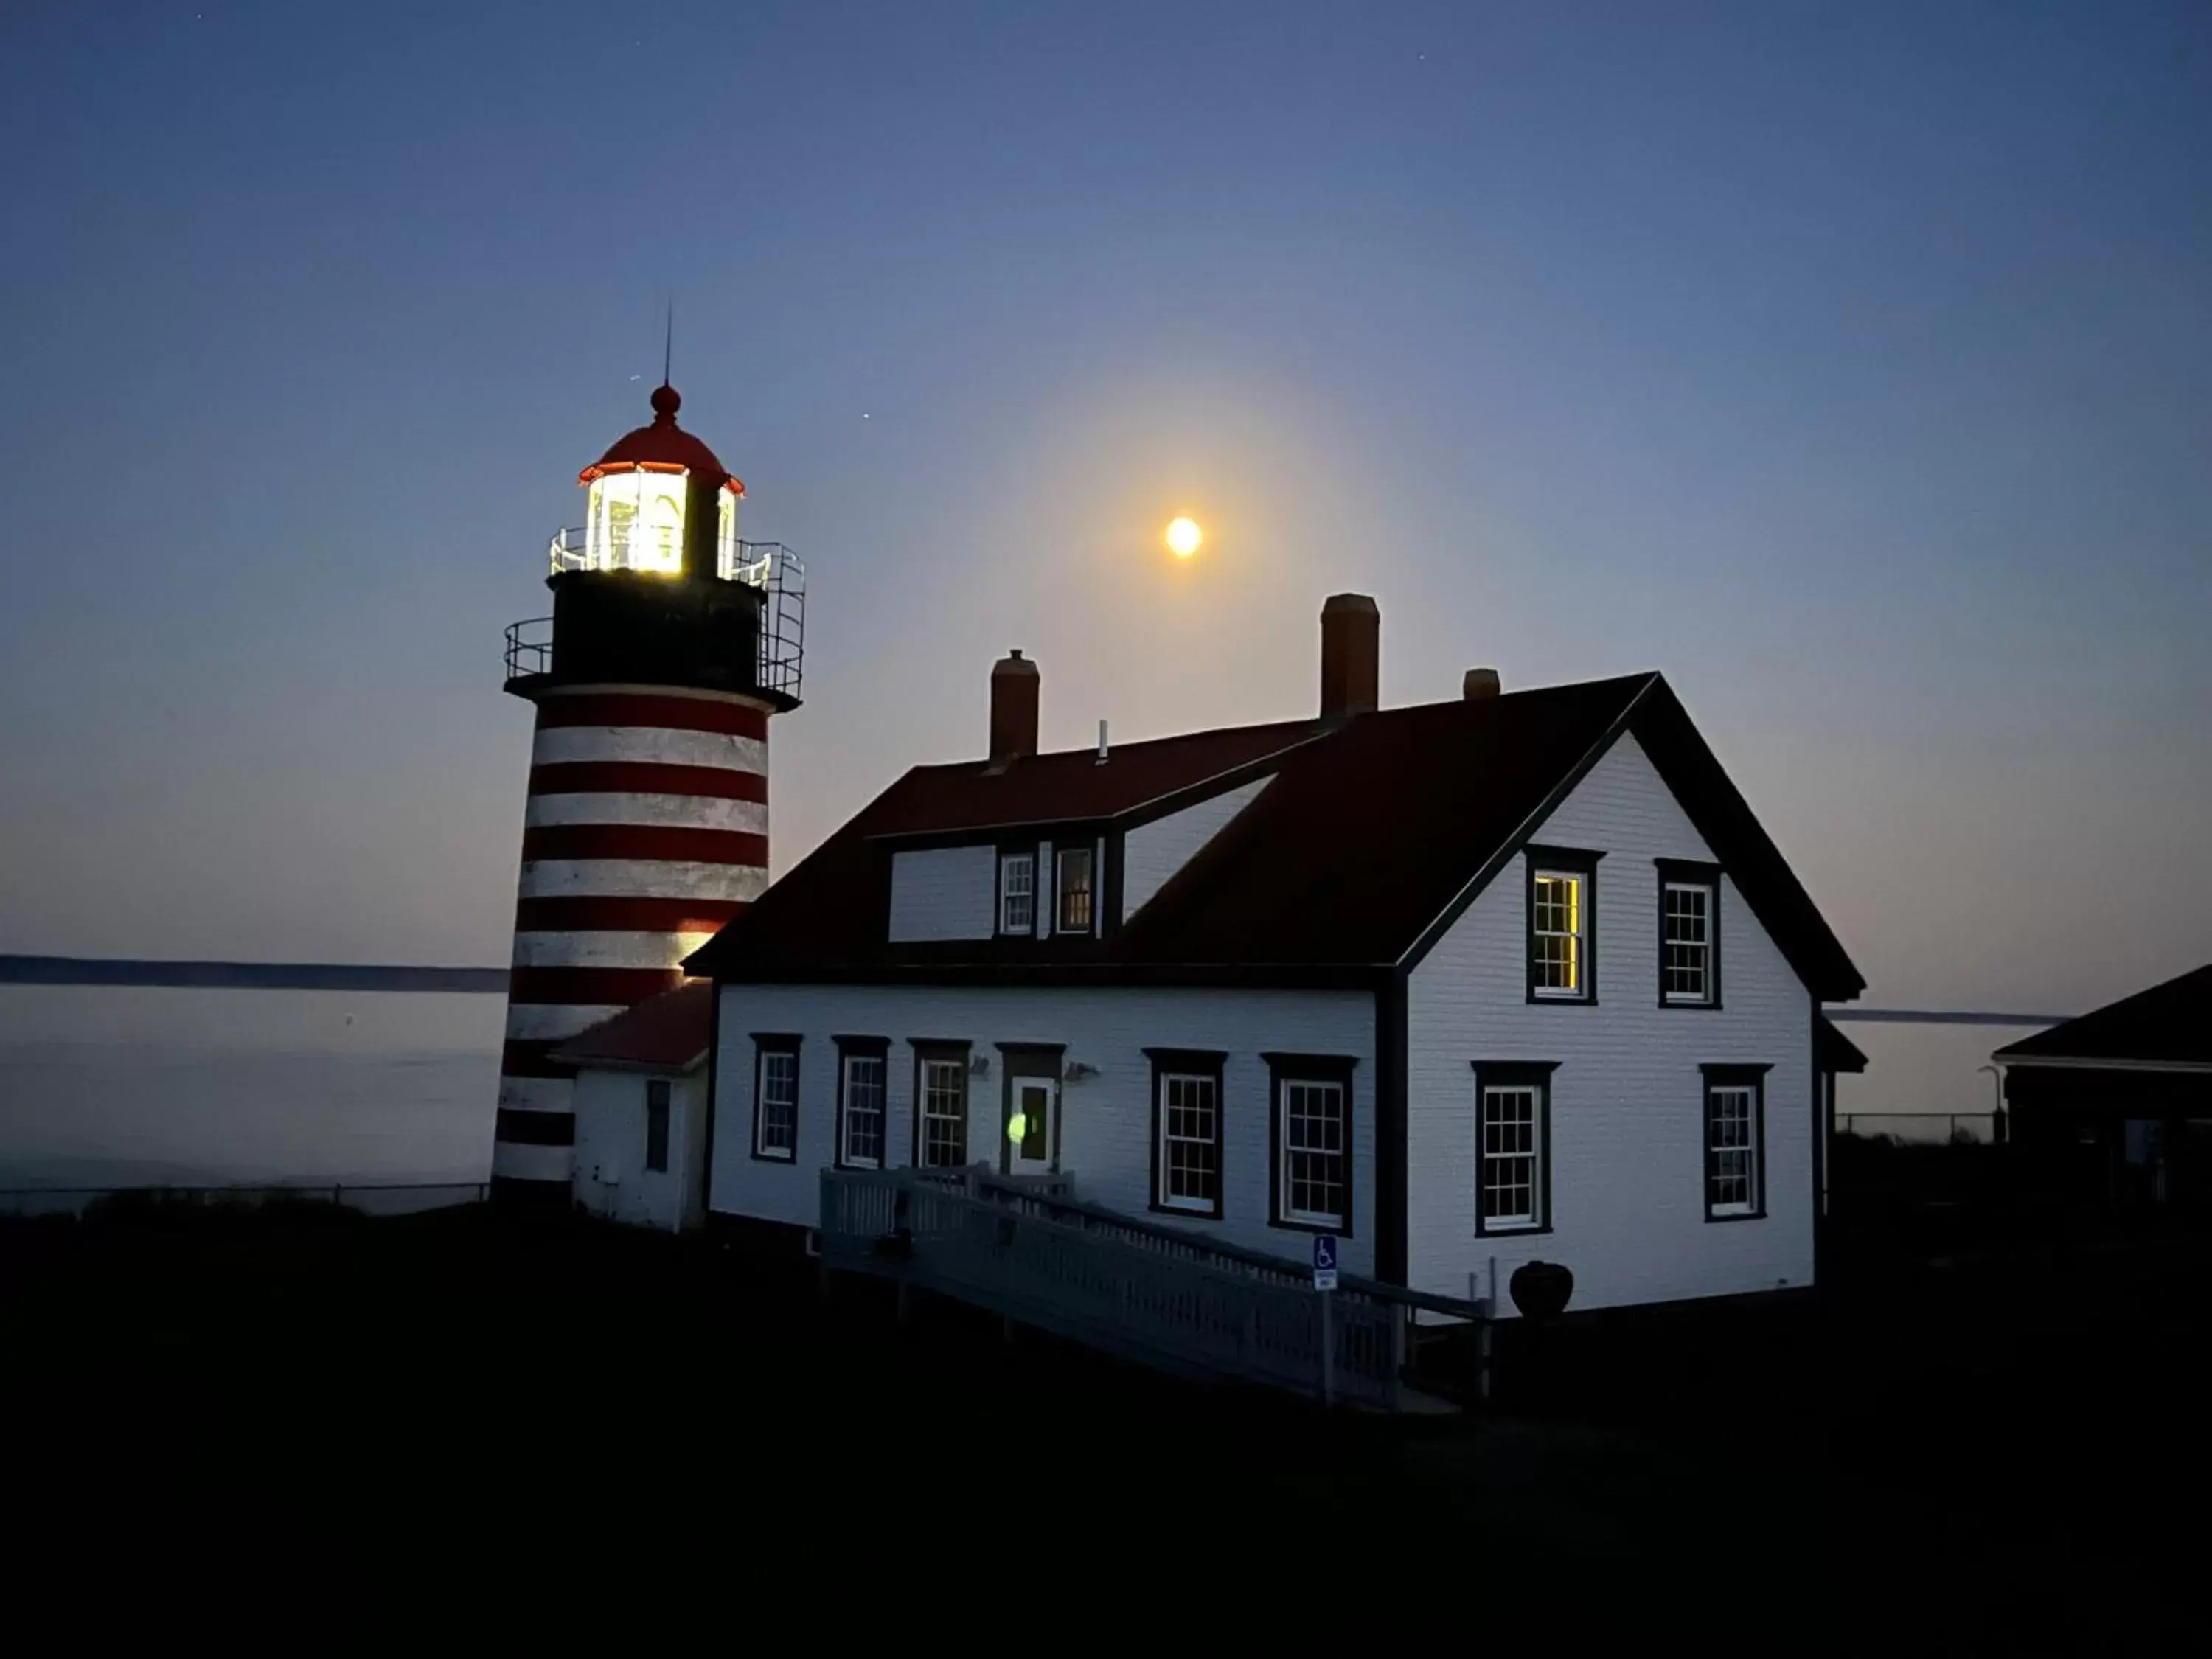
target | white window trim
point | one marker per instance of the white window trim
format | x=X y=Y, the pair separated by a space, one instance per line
x=1749 y=1205
x=924 y=1116
x=1027 y=863
x=1206 y=1207
x=1539 y=1156
x=1580 y=991
x=1060 y=859
x=845 y=1157
x=1284 y=1149
x=1711 y=893
x=760 y=1148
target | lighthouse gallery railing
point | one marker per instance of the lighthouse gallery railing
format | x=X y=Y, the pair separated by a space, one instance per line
x=774 y=568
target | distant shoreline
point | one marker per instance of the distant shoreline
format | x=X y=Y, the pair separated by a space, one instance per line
x=355 y=976
x=247 y=975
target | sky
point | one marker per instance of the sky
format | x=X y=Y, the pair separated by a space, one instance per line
x=1850 y=364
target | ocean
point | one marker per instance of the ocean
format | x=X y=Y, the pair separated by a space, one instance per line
x=127 y=1085
x=104 y=1085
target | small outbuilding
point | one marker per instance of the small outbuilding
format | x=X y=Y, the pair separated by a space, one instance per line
x=640 y=1096
x=2116 y=1106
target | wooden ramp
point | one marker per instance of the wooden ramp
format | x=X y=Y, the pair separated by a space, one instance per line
x=1151 y=1293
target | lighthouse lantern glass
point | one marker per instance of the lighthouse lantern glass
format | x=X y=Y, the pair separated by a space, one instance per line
x=635 y=522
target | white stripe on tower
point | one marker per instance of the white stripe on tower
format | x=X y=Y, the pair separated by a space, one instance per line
x=725 y=751
x=645 y=829
x=680 y=812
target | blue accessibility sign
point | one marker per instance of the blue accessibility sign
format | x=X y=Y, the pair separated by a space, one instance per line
x=1324 y=1261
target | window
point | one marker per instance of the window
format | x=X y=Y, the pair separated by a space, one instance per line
x=863 y=1070
x=1017 y=892
x=1513 y=1154
x=1736 y=1142
x=656 y=1126
x=940 y=1103
x=1074 y=891
x=1689 y=934
x=1312 y=1141
x=1186 y=1131
x=1562 y=892
x=776 y=1097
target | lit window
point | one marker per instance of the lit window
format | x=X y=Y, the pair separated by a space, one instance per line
x=1560 y=894
x=1689 y=934
x=944 y=1096
x=1313 y=1154
x=656 y=1126
x=1736 y=1134
x=1017 y=892
x=1513 y=1122
x=1075 y=891
x=776 y=1098
x=862 y=1145
x=1186 y=1131
x=636 y=521
x=1558 y=933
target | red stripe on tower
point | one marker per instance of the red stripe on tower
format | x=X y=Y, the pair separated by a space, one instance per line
x=623 y=839
x=639 y=777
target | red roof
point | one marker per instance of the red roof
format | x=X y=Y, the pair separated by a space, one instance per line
x=668 y=1032
x=1369 y=835
x=1042 y=788
x=664 y=446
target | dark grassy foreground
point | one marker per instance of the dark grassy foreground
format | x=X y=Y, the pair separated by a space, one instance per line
x=2007 y=1452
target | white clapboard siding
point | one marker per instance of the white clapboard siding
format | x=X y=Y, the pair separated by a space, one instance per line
x=1152 y=853
x=1107 y=1119
x=1627 y=1159
x=943 y=892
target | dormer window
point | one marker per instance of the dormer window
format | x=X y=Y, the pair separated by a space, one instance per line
x=1074 y=888
x=1017 y=892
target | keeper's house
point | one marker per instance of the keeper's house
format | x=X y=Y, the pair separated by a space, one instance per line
x=1513 y=976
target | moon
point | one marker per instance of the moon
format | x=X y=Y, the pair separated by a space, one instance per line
x=1184 y=537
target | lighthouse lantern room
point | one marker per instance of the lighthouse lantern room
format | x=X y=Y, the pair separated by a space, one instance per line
x=672 y=643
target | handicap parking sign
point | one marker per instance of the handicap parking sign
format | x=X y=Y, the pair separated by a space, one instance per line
x=1324 y=1261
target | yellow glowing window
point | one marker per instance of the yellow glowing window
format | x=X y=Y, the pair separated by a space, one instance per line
x=1557 y=941
x=636 y=522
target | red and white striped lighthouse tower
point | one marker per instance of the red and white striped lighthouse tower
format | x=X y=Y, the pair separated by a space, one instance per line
x=671 y=643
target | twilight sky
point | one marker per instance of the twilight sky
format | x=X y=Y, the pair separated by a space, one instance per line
x=1850 y=363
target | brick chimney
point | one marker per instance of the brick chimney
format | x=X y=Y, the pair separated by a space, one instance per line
x=1350 y=655
x=1013 y=709
x=1479 y=685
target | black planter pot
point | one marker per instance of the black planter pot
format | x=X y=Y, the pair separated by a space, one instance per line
x=1541 y=1290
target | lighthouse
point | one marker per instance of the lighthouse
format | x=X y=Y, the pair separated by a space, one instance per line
x=672 y=642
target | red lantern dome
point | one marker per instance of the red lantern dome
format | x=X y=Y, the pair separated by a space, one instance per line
x=664 y=446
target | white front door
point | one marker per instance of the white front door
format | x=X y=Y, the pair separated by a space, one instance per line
x=1033 y=1125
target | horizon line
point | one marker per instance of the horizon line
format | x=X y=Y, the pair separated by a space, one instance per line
x=210 y=973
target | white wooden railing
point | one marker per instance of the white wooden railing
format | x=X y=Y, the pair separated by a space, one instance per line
x=1150 y=1292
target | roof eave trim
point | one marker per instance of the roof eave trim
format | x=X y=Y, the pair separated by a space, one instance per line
x=657 y=1067
x=2090 y=1063
x=1425 y=940
x=1191 y=976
